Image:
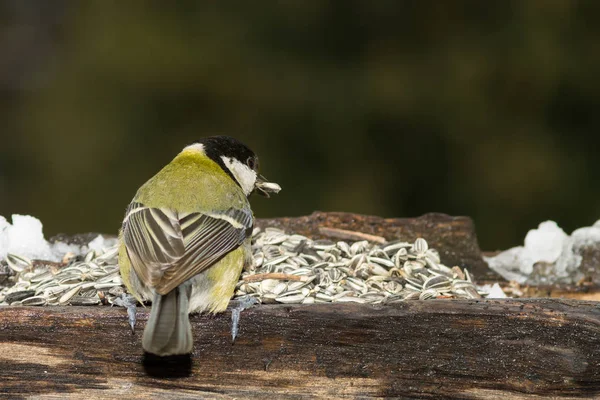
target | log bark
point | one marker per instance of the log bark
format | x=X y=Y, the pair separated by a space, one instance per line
x=522 y=349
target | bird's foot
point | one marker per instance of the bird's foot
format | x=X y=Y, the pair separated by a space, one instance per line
x=242 y=304
x=130 y=303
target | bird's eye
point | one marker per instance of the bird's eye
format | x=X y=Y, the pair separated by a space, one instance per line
x=251 y=162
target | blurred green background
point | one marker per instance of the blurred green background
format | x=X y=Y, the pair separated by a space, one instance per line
x=393 y=108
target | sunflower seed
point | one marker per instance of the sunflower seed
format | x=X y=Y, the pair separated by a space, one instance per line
x=267 y=285
x=85 y=301
x=382 y=261
x=349 y=299
x=392 y=287
x=356 y=284
x=34 y=301
x=279 y=288
x=67 y=296
x=420 y=247
x=90 y=256
x=429 y=294
x=18 y=263
x=344 y=247
x=18 y=296
x=295 y=296
x=432 y=281
x=359 y=247
x=392 y=247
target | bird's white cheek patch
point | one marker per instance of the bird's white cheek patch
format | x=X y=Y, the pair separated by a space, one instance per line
x=245 y=176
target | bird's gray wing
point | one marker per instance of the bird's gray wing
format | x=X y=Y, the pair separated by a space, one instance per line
x=167 y=248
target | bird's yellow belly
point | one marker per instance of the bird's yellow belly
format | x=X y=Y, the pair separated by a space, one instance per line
x=213 y=288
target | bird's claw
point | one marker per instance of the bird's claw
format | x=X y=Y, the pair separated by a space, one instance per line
x=242 y=304
x=130 y=303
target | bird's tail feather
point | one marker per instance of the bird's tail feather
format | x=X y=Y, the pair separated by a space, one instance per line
x=168 y=330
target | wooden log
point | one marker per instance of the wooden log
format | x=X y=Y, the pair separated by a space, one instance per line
x=521 y=349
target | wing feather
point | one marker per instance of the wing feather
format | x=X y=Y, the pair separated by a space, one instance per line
x=167 y=248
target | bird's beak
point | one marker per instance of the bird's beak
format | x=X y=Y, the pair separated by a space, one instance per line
x=263 y=187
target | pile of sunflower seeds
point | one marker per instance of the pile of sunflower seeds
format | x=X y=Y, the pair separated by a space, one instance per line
x=82 y=281
x=295 y=269
x=291 y=269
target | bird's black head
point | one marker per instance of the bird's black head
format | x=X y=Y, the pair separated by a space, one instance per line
x=219 y=147
x=239 y=162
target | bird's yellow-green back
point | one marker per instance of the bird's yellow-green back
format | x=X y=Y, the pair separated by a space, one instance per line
x=192 y=182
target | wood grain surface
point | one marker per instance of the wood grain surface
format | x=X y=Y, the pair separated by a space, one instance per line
x=522 y=349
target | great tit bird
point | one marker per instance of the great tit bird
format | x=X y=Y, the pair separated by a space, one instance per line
x=186 y=237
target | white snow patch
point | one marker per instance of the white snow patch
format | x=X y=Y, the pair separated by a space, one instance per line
x=97 y=244
x=59 y=249
x=4 y=225
x=25 y=237
x=514 y=264
x=546 y=242
x=587 y=236
x=496 y=292
x=549 y=254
